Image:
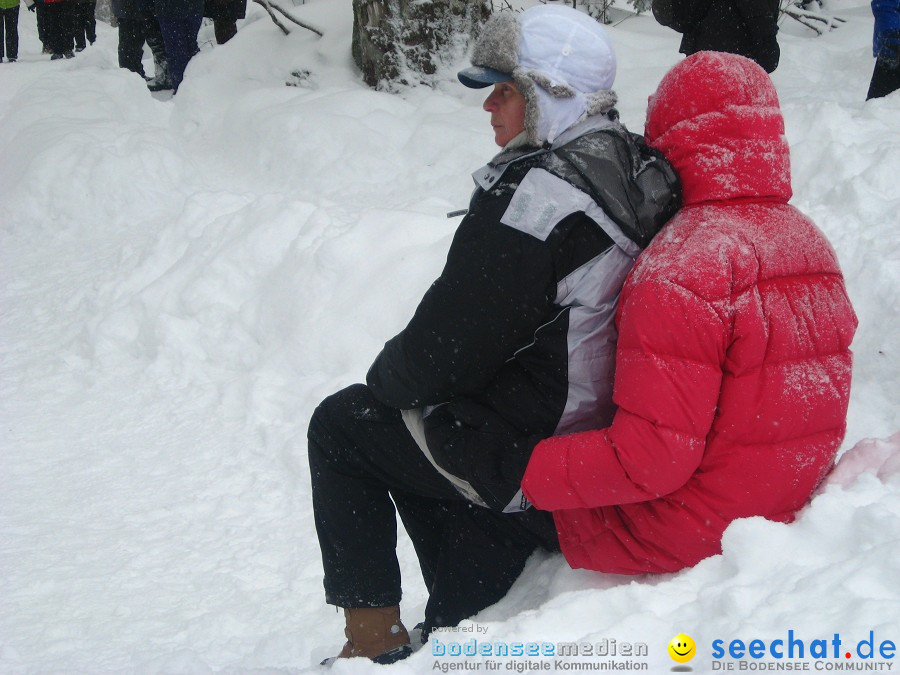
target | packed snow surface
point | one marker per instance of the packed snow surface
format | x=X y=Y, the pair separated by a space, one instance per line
x=183 y=279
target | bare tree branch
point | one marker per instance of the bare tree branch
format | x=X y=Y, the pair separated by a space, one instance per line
x=278 y=8
x=274 y=18
x=269 y=6
x=812 y=20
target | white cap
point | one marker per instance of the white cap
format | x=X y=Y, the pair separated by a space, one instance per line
x=568 y=47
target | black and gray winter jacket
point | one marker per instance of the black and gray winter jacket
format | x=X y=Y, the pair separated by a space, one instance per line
x=515 y=340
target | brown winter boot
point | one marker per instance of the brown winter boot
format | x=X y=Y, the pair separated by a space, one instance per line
x=375 y=633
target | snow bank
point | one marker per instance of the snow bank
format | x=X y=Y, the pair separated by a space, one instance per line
x=183 y=280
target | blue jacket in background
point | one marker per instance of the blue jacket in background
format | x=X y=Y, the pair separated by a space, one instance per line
x=887 y=25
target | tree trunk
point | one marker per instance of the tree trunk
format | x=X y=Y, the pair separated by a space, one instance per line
x=402 y=42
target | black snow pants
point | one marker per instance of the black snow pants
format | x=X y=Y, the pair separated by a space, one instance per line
x=363 y=464
x=58 y=20
x=9 y=33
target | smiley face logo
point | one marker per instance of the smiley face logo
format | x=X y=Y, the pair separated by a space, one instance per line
x=682 y=648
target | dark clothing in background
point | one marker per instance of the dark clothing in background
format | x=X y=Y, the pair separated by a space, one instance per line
x=886 y=36
x=176 y=8
x=133 y=33
x=41 y=17
x=131 y=45
x=225 y=15
x=9 y=35
x=137 y=25
x=58 y=26
x=885 y=80
x=180 y=22
x=84 y=23
x=180 y=38
x=885 y=48
x=224 y=30
x=745 y=27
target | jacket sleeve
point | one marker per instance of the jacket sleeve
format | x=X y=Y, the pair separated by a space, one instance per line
x=492 y=294
x=668 y=374
x=761 y=19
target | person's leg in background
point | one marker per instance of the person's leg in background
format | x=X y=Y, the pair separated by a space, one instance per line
x=131 y=45
x=154 y=39
x=9 y=33
x=180 y=38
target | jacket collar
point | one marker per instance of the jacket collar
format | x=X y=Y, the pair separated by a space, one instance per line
x=518 y=148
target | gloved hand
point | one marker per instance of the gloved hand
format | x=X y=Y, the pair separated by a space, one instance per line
x=468 y=441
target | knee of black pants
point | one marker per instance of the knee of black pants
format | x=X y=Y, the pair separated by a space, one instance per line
x=332 y=411
x=337 y=424
x=319 y=434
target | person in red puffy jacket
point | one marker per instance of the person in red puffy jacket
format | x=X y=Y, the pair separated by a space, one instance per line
x=733 y=362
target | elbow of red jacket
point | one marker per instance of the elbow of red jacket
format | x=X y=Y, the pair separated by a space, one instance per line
x=657 y=460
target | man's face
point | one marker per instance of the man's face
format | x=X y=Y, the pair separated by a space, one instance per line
x=507 y=107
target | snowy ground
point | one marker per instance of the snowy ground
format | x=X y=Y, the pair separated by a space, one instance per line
x=183 y=280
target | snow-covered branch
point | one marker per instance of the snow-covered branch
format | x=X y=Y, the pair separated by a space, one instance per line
x=270 y=6
x=816 y=21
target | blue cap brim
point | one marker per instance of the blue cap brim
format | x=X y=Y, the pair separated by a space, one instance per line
x=478 y=77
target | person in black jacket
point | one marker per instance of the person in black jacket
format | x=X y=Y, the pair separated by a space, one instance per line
x=514 y=341
x=745 y=27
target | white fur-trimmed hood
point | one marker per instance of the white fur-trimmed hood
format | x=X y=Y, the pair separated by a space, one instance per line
x=561 y=59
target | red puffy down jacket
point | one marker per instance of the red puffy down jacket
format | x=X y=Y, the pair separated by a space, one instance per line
x=733 y=364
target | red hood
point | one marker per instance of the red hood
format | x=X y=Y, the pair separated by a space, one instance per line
x=716 y=118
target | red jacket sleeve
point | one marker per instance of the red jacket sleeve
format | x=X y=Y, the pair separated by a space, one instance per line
x=668 y=373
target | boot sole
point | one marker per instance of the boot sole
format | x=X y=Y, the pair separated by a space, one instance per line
x=386 y=659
